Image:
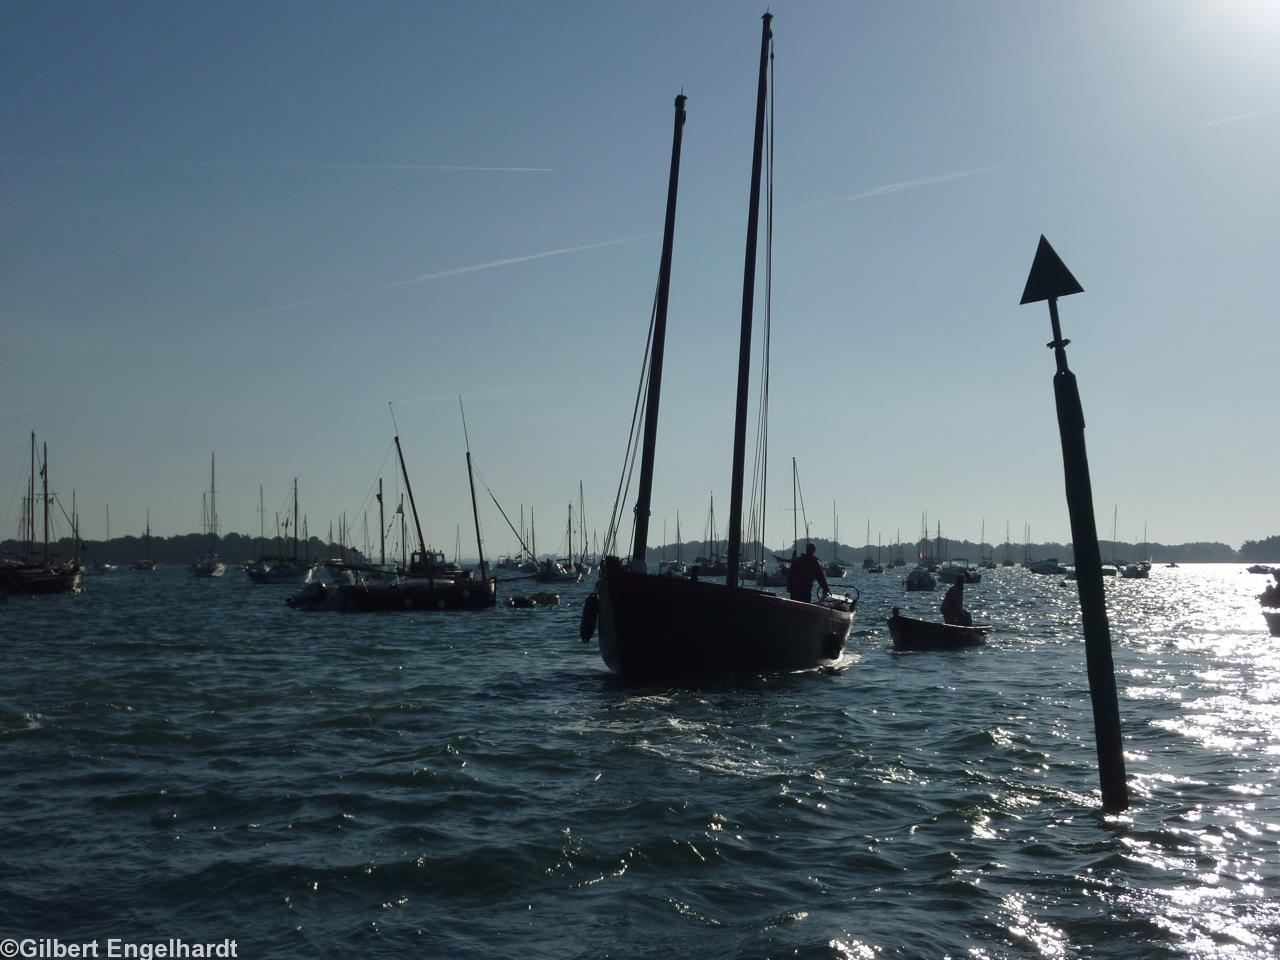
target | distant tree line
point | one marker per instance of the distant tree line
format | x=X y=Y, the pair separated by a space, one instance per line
x=1120 y=552
x=235 y=547
x=182 y=549
x=1268 y=549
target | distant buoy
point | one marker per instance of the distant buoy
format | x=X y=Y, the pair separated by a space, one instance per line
x=590 y=614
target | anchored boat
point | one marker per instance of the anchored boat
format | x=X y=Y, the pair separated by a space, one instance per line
x=654 y=627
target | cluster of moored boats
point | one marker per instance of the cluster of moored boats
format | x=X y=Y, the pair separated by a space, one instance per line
x=716 y=617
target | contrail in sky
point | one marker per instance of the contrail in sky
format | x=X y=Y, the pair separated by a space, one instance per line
x=1238 y=116
x=268 y=165
x=441 y=274
x=897 y=187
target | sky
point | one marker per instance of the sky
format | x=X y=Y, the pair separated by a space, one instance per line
x=244 y=228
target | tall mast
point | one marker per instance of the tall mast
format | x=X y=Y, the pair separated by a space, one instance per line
x=262 y=525
x=582 y=524
x=382 y=529
x=148 y=546
x=422 y=544
x=654 y=389
x=31 y=503
x=569 y=533
x=471 y=482
x=748 y=303
x=44 y=473
x=295 y=519
x=213 y=504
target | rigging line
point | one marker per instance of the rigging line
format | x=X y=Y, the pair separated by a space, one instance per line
x=373 y=483
x=642 y=387
x=485 y=484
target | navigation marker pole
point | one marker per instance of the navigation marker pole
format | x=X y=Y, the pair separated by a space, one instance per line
x=1050 y=279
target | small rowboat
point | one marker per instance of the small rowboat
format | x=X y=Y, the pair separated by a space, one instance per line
x=910 y=634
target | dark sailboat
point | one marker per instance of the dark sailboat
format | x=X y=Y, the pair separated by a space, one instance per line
x=421 y=587
x=654 y=627
x=282 y=568
x=146 y=564
x=39 y=572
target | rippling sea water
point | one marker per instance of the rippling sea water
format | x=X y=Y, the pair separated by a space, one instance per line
x=189 y=758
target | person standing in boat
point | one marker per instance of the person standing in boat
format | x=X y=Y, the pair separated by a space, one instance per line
x=953 y=611
x=804 y=571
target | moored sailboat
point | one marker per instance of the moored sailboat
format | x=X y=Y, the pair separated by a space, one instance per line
x=654 y=627
x=38 y=572
x=146 y=564
x=280 y=568
x=420 y=586
x=210 y=565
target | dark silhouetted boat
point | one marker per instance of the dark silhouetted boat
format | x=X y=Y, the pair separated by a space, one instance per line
x=282 y=568
x=655 y=627
x=146 y=564
x=911 y=634
x=38 y=572
x=210 y=565
x=417 y=588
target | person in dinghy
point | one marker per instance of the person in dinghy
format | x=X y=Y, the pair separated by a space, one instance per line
x=953 y=611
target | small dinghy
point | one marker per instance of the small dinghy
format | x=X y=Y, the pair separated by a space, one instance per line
x=910 y=634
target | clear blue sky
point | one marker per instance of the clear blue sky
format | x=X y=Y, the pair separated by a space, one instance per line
x=244 y=227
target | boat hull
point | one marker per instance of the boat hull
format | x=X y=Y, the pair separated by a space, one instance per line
x=284 y=573
x=37 y=580
x=666 y=627
x=459 y=595
x=912 y=634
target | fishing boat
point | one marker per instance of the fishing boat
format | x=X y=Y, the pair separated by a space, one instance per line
x=210 y=565
x=39 y=571
x=654 y=627
x=146 y=564
x=912 y=634
x=416 y=588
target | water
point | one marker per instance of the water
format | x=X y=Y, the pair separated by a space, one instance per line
x=188 y=758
